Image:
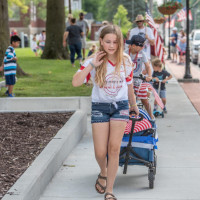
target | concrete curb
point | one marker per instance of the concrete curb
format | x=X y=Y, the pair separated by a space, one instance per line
x=31 y=104
x=34 y=180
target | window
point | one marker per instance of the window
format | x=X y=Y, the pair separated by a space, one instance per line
x=197 y=36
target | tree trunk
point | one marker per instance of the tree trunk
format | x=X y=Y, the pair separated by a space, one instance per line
x=5 y=35
x=4 y=29
x=20 y=71
x=55 y=27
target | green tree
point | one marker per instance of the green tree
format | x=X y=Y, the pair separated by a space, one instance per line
x=4 y=29
x=121 y=19
x=102 y=11
x=91 y=6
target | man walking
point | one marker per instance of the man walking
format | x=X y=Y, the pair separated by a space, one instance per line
x=84 y=26
x=174 y=39
x=145 y=32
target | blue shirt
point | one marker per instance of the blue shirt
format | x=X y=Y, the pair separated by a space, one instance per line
x=174 y=41
x=10 y=65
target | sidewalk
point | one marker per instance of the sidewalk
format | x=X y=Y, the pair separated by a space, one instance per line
x=178 y=167
x=192 y=90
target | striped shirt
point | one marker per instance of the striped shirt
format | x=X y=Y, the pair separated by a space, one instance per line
x=10 y=65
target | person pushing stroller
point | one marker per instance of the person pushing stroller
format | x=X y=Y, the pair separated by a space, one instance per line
x=138 y=57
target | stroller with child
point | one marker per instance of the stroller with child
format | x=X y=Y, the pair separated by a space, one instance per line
x=139 y=144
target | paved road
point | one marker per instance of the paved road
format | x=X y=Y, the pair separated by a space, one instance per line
x=178 y=171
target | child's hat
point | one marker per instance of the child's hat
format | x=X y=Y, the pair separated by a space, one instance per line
x=138 y=40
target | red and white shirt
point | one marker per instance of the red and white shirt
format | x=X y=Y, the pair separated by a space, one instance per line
x=115 y=88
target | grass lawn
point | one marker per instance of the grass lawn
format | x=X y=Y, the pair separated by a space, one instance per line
x=48 y=78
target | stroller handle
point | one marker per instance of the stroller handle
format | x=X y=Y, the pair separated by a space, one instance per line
x=141 y=76
x=135 y=119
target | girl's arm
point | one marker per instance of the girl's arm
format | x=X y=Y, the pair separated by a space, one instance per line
x=79 y=77
x=132 y=99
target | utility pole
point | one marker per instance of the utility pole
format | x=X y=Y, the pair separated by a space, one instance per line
x=151 y=6
x=132 y=8
x=70 y=7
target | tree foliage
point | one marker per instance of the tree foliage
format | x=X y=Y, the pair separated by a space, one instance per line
x=24 y=5
x=120 y=18
x=91 y=6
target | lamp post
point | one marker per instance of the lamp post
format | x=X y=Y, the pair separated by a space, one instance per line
x=169 y=53
x=187 y=77
x=187 y=66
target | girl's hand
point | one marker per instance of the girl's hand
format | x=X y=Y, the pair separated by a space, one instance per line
x=134 y=108
x=97 y=60
x=164 y=81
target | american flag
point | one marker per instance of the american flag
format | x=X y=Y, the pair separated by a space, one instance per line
x=172 y=22
x=182 y=15
x=156 y=96
x=159 y=51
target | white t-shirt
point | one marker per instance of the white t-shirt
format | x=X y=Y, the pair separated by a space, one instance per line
x=142 y=32
x=116 y=88
x=138 y=60
x=42 y=39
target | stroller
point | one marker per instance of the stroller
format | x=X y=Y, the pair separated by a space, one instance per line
x=138 y=147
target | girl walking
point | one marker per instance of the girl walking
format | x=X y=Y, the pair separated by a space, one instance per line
x=112 y=75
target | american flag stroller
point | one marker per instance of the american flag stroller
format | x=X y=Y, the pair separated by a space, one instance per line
x=139 y=144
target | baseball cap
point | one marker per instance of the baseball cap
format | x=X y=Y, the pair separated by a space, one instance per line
x=174 y=29
x=138 y=40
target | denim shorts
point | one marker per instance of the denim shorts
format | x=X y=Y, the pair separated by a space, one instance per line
x=162 y=93
x=10 y=79
x=104 y=112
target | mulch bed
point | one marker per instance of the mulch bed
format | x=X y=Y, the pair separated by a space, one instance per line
x=22 y=137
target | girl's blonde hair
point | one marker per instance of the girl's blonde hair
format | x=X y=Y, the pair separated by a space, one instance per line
x=102 y=69
x=157 y=62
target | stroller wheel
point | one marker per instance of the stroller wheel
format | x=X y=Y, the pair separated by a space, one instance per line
x=156 y=114
x=151 y=177
x=155 y=163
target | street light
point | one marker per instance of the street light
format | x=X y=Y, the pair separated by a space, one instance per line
x=169 y=53
x=187 y=67
x=187 y=77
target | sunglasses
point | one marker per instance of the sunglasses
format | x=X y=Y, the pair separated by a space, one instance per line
x=139 y=21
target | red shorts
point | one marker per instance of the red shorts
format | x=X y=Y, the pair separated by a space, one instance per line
x=142 y=91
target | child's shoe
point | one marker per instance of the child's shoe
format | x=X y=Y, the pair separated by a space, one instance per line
x=164 y=110
x=6 y=93
x=155 y=109
x=11 y=95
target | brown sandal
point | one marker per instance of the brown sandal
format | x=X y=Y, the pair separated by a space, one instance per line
x=112 y=196
x=99 y=184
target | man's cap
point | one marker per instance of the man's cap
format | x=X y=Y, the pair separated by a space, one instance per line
x=138 y=40
x=140 y=18
x=81 y=14
x=174 y=29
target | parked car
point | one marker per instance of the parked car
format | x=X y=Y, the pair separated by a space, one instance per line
x=194 y=45
x=198 y=61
